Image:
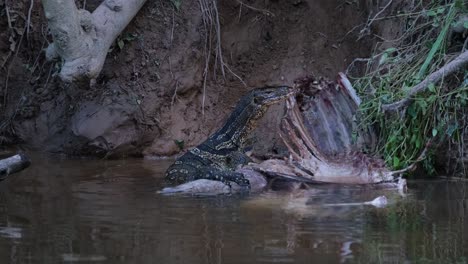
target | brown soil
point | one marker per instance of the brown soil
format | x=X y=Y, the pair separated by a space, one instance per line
x=150 y=92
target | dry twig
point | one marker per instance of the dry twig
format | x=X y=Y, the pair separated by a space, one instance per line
x=173 y=25
x=7 y=11
x=366 y=29
x=219 y=50
x=174 y=96
x=264 y=11
x=28 y=23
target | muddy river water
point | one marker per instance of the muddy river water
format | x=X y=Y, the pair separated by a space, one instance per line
x=104 y=211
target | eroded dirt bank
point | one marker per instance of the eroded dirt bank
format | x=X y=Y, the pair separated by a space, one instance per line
x=150 y=98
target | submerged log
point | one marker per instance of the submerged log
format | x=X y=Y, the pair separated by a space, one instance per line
x=13 y=164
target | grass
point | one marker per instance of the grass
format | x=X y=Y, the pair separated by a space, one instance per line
x=437 y=115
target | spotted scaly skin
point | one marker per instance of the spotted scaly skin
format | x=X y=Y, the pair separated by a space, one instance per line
x=220 y=155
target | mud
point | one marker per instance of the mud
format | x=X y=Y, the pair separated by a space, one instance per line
x=150 y=98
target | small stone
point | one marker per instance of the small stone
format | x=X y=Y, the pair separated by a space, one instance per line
x=282 y=78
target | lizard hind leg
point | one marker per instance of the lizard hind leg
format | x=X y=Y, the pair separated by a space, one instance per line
x=236 y=159
x=225 y=176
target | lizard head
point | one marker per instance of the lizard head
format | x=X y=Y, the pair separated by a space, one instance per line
x=263 y=97
x=250 y=109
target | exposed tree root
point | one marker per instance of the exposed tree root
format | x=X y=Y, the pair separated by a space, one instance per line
x=212 y=27
x=82 y=39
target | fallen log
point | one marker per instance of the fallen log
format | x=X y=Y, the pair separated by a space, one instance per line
x=13 y=164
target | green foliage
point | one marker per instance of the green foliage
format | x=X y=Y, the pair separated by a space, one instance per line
x=440 y=38
x=176 y=4
x=180 y=144
x=122 y=40
x=434 y=114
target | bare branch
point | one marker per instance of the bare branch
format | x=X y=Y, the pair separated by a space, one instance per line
x=436 y=76
x=264 y=11
x=28 y=23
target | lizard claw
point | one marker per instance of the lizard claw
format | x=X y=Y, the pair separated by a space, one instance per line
x=227 y=183
x=243 y=182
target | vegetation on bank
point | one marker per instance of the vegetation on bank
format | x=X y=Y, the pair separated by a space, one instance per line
x=433 y=34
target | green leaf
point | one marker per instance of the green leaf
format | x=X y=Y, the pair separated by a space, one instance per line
x=383 y=58
x=434 y=132
x=465 y=24
x=423 y=105
x=459 y=4
x=120 y=43
x=180 y=144
x=437 y=44
x=396 y=161
x=412 y=111
x=431 y=87
x=418 y=142
x=451 y=129
x=130 y=37
x=176 y=4
x=431 y=13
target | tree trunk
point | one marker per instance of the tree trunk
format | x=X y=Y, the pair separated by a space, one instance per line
x=13 y=164
x=82 y=39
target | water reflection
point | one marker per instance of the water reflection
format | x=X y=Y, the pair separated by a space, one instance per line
x=91 y=211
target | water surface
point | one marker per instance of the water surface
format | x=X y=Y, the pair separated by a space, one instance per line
x=101 y=211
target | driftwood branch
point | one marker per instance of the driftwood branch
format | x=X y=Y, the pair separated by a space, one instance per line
x=436 y=76
x=13 y=164
x=81 y=38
